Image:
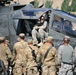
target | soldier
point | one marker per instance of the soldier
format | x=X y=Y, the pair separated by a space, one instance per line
x=5 y=53
x=31 y=60
x=19 y=55
x=66 y=57
x=43 y=28
x=48 y=57
x=39 y=30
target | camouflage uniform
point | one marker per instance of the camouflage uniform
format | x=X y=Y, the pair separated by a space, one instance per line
x=50 y=62
x=31 y=58
x=19 y=55
x=5 y=53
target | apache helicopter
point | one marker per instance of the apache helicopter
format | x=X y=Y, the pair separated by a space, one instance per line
x=22 y=18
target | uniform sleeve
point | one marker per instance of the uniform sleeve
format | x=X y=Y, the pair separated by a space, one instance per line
x=75 y=51
x=59 y=55
x=45 y=24
x=74 y=55
x=8 y=53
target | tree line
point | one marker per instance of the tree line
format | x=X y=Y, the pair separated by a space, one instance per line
x=67 y=5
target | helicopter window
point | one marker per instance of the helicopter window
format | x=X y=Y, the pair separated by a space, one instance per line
x=69 y=28
x=64 y=26
x=67 y=24
x=29 y=13
x=32 y=12
x=57 y=23
x=59 y=19
x=70 y=25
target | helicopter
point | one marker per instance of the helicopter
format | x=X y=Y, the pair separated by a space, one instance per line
x=60 y=24
x=22 y=18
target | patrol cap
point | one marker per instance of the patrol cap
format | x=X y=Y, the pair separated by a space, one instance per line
x=49 y=39
x=66 y=39
x=2 y=39
x=22 y=35
x=30 y=41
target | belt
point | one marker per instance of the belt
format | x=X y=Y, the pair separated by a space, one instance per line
x=67 y=63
